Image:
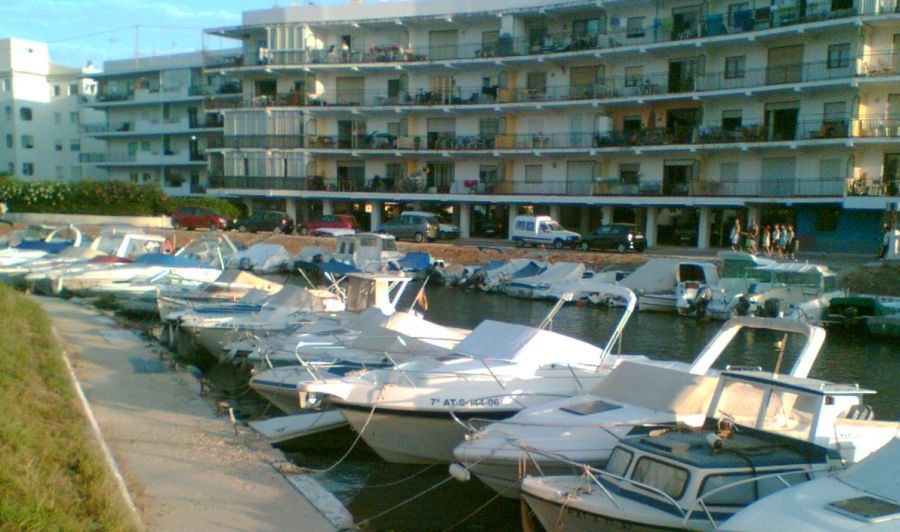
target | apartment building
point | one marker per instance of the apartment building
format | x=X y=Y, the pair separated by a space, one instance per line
x=678 y=115
x=159 y=114
x=39 y=125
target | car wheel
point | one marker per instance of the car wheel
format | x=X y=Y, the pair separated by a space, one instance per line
x=242 y=228
x=277 y=230
x=303 y=230
x=620 y=248
x=520 y=243
x=419 y=237
x=176 y=226
x=213 y=227
x=585 y=246
x=558 y=244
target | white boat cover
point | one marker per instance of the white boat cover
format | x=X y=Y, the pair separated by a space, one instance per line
x=559 y=272
x=261 y=257
x=877 y=474
x=654 y=276
x=414 y=326
x=297 y=297
x=662 y=389
x=526 y=345
x=244 y=279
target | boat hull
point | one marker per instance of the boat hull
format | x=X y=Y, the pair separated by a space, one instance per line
x=554 y=517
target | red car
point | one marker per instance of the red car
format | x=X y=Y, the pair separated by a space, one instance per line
x=197 y=217
x=330 y=221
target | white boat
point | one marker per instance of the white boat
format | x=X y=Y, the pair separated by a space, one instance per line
x=665 y=299
x=499 y=369
x=14 y=275
x=494 y=275
x=357 y=252
x=865 y=496
x=740 y=272
x=37 y=242
x=556 y=279
x=260 y=258
x=228 y=288
x=285 y=428
x=786 y=289
x=670 y=476
x=585 y=428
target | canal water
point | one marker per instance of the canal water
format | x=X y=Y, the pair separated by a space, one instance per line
x=369 y=487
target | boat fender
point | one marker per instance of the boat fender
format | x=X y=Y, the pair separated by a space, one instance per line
x=460 y=472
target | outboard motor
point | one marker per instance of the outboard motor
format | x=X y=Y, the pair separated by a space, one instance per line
x=697 y=306
x=771 y=308
x=245 y=264
x=743 y=306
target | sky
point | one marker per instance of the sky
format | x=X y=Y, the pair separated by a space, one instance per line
x=79 y=31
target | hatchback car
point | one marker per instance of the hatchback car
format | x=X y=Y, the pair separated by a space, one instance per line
x=328 y=221
x=414 y=225
x=620 y=237
x=197 y=217
x=275 y=221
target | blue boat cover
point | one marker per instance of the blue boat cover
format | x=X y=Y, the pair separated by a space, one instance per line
x=332 y=266
x=49 y=247
x=415 y=261
x=171 y=261
x=528 y=271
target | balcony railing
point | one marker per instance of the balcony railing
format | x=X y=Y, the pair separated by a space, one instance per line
x=649 y=84
x=886 y=186
x=656 y=31
x=786 y=187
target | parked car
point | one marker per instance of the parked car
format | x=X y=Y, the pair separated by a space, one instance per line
x=490 y=227
x=275 y=221
x=197 y=217
x=620 y=237
x=544 y=230
x=415 y=225
x=330 y=221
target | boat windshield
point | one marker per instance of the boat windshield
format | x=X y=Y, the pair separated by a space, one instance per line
x=747 y=492
x=741 y=269
x=388 y=244
x=741 y=401
x=808 y=279
x=665 y=477
x=618 y=462
x=787 y=412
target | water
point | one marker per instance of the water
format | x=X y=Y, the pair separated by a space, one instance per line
x=368 y=486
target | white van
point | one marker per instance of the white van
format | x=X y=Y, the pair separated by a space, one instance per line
x=544 y=230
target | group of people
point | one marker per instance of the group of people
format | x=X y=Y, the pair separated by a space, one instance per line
x=777 y=240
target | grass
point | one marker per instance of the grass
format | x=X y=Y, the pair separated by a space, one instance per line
x=52 y=475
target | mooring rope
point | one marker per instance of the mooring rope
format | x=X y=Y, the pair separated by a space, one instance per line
x=352 y=446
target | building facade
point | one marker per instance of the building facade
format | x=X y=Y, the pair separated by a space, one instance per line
x=41 y=114
x=159 y=114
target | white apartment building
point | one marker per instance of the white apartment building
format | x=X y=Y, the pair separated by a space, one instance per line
x=667 y=113
x=39 y=125
x=160 y=113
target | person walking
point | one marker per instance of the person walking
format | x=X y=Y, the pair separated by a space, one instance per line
x=793 y=243
x=736 y=236
x=753 y=237
x=776 y=237
x=765 y=245
x=783 y=241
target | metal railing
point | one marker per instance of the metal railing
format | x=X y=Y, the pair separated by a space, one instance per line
x=656 y=31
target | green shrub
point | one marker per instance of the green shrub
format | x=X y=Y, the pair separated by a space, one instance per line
x=100 y=197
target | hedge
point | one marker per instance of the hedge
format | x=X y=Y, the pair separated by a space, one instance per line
x=100 y=197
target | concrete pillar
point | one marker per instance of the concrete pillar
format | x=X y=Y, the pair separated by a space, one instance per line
x=585 y=225
x=375 y=217
x=607 y=214
x=513 y=212
x=650 y=230
x=703 y=229
x=304 y=210
x=464 y=220
x=752 y=215
x=554 y=212
x=249 y=203
x=290 y=206
x=327 y=206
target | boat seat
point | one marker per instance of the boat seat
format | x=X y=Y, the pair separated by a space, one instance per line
x=860 y=412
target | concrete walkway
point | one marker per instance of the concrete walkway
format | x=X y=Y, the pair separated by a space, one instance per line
x=185 y=468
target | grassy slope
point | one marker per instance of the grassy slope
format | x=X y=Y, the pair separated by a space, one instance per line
x=52 y=476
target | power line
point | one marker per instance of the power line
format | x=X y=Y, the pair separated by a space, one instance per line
x=95 y=34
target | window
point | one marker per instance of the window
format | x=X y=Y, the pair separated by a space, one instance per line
x=9 y=141
x=25 y=114
x=634 y=76
x=5 y=85
x=534 y=173
x=145 y=145
x=735 y=67
x=134 y=176
x=488 y=173
x=620 y=459
x=629 y=173
x=58 y=145
x=746 y=493
x=634 y=27
x=56 y=90
x=73 y=117
x=834 y=112
x=27 y=142
x=27 y=168
x=75 y=145
x=631 y=125
x=728 y=172
x=7 y=112
x=57 y=118
x=733 y=9
x=667 y=478
x=839 y=55
x=791 y=413
x=732 y=119
x=73 y=89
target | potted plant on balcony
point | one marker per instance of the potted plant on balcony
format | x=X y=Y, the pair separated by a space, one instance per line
x=470 y=184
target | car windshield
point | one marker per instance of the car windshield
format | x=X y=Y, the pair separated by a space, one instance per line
x=433 y=220
x=555 y=226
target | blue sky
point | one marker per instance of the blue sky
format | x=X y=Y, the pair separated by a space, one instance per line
x=99 y=30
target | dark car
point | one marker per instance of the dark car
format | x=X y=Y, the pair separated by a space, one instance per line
x=275 y=221
x=197 y=217
x=330 y=221
x=418 y=226
x=490 y=227
x=620 y=237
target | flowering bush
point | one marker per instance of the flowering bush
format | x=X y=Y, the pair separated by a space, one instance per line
x=99 y=197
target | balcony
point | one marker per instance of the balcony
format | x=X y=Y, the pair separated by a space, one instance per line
x=662 y=30
x=886 y=186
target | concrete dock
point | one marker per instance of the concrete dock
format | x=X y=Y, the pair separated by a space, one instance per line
x=184 y=467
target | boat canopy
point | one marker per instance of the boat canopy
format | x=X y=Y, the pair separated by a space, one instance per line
x=521 y=344
x=663 y=389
